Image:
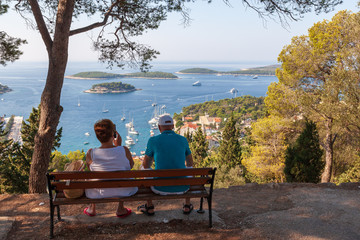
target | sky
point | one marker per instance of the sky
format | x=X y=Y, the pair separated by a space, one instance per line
x=217 y=33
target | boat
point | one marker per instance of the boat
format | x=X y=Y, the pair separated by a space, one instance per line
x=87 y=134
x=255 y=76
x=233 y=90
x=86 y=143
x=129 y=141
x=129 y=124
x=104 y=110
x=142 y=152
x=123 y=117
x=197 y=83
x=133 y=131
x=78 y=102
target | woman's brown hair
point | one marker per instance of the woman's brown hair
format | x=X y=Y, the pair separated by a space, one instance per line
x=104 y=130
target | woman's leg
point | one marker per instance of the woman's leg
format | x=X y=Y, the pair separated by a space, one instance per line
x=91 y=210
x=121 y=210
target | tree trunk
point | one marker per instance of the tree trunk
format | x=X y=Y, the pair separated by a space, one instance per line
x=329 y=153
x=50 y=98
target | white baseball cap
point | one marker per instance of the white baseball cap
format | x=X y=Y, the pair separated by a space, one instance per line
x=166 y=120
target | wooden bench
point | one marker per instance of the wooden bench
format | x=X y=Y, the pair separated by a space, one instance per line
x=201 y=182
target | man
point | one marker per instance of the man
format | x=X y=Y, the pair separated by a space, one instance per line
x=169 y=151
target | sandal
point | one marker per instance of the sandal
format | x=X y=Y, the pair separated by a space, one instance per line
x=87 y=213
x=190 y=207
x=128 y=212
x=145 y=209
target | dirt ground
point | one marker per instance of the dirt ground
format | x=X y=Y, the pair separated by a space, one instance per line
x=270 y=211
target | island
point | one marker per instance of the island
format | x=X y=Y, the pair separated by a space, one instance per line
x=95 y=75
x=4 y=89
x=103 y=75
x=266 y=70
x=152 y=75
x=111 y=87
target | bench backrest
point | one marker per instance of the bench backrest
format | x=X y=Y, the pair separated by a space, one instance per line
x=133 y=178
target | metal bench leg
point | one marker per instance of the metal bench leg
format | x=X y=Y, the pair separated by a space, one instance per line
x=201 y=210
x=52 y=221
x=58 y=213
x=210 y=212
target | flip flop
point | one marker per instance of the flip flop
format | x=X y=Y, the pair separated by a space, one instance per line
x=190 y=207
x=145 y=209
x=128 y=212
x=87 y=213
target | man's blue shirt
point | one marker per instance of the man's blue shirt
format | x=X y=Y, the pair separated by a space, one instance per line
x=169 y=151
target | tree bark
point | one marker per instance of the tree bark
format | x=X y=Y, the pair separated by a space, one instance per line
x=50 y=98
x=329 y=153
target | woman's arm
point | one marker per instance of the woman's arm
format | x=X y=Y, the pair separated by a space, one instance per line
x=88 y=158
x=129 y=157
x=117 y=141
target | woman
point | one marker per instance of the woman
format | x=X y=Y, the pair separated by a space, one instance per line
x=110 y=156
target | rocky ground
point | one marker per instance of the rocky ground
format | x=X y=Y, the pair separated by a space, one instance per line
x=271 y=211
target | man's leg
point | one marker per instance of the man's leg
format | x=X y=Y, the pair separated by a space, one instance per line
x=147 y=208
x=188 y=207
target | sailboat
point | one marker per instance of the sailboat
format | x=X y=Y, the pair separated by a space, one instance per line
x=104 y=110
x=123 y=117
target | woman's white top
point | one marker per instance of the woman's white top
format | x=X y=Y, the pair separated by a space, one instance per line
x=109 y=159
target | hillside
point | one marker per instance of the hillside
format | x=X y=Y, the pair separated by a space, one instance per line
x=103 y=75
x=252 y=212
x=241 y=107
x=266 y=70
x=157 y=75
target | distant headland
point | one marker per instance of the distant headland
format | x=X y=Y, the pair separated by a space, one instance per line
x=103 y=75
x=267 y=70
x=112 y=87
x=4 y=89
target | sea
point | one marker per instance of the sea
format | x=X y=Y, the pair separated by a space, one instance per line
x=82 y=110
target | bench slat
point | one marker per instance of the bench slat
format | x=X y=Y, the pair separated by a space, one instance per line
x=131 y=174
x=136 y=197
x=130 y=183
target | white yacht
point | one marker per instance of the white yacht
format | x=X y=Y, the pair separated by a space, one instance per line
x=233 y=90
x=104 y=110
x=129 y=124
x=87 y=134
x=255 y=76
x=133 y=131
x=197 y=83
x=129 y=142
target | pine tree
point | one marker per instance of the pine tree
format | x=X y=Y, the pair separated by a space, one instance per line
x=15 y=160
x=199 y=147
x=303 y=161
x=230 y=149
x=29 y=130
x=13 y=166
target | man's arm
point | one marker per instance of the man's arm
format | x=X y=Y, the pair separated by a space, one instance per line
x=189 y=161
x=147 y=162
